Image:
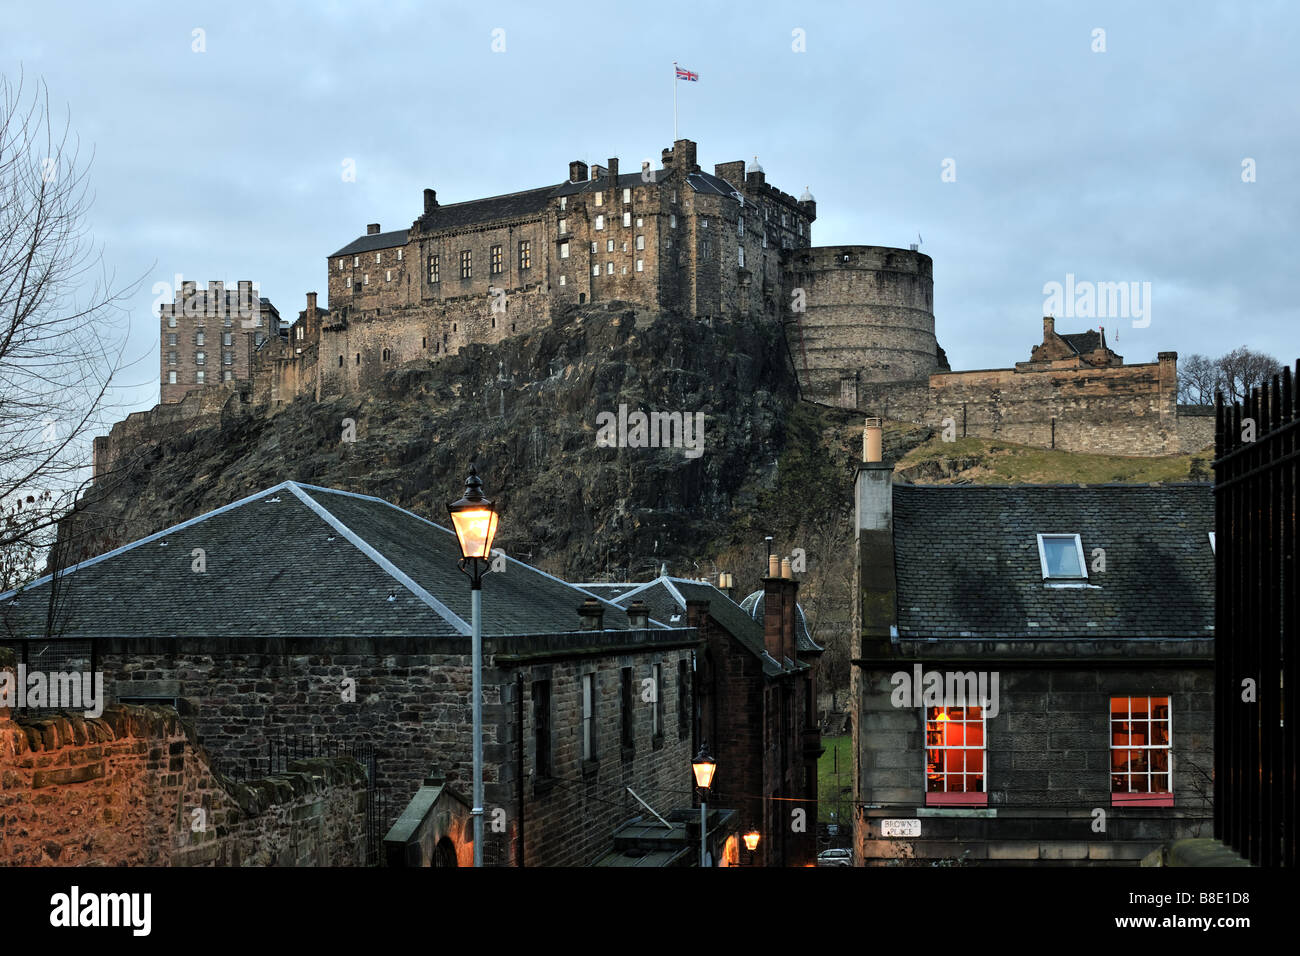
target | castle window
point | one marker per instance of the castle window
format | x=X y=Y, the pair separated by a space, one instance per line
x=378 y=257
x=453 y=326
x=171 y=378
x=564 y=250
x=704 y=248
x=299 y=334
x=356 y=262
x=466 y=264
x=525 y=254
x=198 y=338
x=639 y=222
x=640 y=242
x=340 y=361
x=433 y=269
x=388 y=275
x=199 y=376
x=594 y=250
x=609 y=245
x=227 y=376
x=228 y=358
x=564 y=226
x=740 y=226
x=672 y=221
x=1139 y=752
x=542 y=728
x=564 y=203
x=399 y=255
x=627 y=219
x=627 y=195
x=609 y=268
x=386 y=355
x=600 y=222
x=436 y=347
x=561 y=280
x=227 y=338
x=171 y=338
x=358 y=358
x=704 y=223
x=785 y=219
x=340 y=265
x=171 y=321
x=764 y=240
x=674 y=195
x=494 y=262
x=625 y=247
x=742 y=257
x=588 y=716
x=171 y=358
x=1061 y=557
x=199 y=358
x=595 y=270
x=639 y=263
x=600 y=198
x=365 y=278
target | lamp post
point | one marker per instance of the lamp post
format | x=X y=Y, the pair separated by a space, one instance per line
x=751 y=844
x=703 y=767
x=475 y=520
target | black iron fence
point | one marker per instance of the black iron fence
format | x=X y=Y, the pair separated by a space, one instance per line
x=1256 y=650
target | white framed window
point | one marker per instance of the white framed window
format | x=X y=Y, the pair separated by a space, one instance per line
x=399 y=255
x=1141 y=755
x=627 y=195
x=765 y=240
x=227 y=376
x=657 y=708
x=564 y=226
x=954 y=756
x=198 y=338
x=801 y=227
x=199 y=358
x=340 y=265
x=171 y=378
x=627 y=219
x=672 y=221
x=365 y=278
x=171 y=340
x=588 y=716
x=640 y=242
x=674 y=199
x=1061 y=557
x=228 y=358
x=594 y=248
x=609 y=268
x=388 y=275
x=600 y=198
x=595 y=270
x=740 y=226
x=639 y=264
x=171 y=321
x=609 y=245
x=199 y=376
x=742 y=257
x=640 y=222
x=600 y=222
x=356 y=262
x=564 y=250
x=562 y=280
x=171 y=358
x=378 y=257
x=704 y=223
x=228 y=338
x=564 y=203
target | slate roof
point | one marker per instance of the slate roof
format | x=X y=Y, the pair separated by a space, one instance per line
x=298 y=561
x=667 y=596
x=1083 y=342
x=380 y=240
x=753 y=605
x=967 y=563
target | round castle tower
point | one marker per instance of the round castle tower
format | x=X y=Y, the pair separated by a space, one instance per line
x=868 y=316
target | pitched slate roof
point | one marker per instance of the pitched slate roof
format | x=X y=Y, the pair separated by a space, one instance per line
x=369 y=243
x=297 y=561
x=667 y=596
x=1083 y=342
x=967 y=561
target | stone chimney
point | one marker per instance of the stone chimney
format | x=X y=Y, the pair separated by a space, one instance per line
x=372 y=229
x=874 y=613
x=684 y=155
x=597 y=171
x=613 y=170
x=638 y=613
x=430 y=201
x=733 y=173
x=577 y=171
x=666 y=158
x=311 y=305
x=592 y=613
x=1049 y=327
x=779 y=616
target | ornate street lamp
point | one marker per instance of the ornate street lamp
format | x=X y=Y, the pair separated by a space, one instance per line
x=475 y=520
x=751 y=840
x=703 y=767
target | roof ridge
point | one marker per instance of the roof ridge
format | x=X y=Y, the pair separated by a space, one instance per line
x=131 y=546
x=374 y=555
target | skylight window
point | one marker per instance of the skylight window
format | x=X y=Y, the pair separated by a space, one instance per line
x=1061 y=557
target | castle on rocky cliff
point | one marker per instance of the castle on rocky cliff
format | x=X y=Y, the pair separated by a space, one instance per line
x=714 y=247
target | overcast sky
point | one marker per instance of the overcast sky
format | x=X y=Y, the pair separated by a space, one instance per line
x=1117 y=166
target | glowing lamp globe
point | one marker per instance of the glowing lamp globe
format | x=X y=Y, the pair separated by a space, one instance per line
x=751 y=841
x=474 y=519
x=703 y=765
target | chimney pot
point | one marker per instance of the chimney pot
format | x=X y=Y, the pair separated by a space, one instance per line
x=785 y=569
x=773 y=566
x=872 y=440
x=430 y=201
x=592 y=613
x=638 y=613
x=372 y=229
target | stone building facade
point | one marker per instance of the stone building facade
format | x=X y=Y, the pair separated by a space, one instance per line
x=210 y=337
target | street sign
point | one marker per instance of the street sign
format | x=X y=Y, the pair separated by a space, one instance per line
x=900 y=828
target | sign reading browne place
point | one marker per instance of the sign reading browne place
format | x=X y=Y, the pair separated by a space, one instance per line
x=900 y=828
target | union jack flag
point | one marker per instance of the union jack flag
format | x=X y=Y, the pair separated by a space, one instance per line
x=687 y=75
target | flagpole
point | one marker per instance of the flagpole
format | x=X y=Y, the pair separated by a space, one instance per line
x=674 y=101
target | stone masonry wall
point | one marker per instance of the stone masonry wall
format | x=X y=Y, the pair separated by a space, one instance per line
x=130 y=789
x=1048 y=770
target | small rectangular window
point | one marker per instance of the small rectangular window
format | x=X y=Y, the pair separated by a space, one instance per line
x=588 y=716
x=609 y=268
x=171 y=340
x=683 y=700
x=227 y=376
x=627 y=195
x=433 y=269
x=199 y=358
x=228 y=358
x=954 y=762
x=594 y=249
x=564 y=203
x=628 y=713
x=561 y=280
x=609 y=245
x=171 y=378
x=467 y=264
x=742 y=257
x=171 y=358
x=639 y=222
x=494 y=261
x=199 y=376
x=639 y=264
x=378 y=257
x=595 y=270
x=388 y=275
x=356 y=262
x=704 y=223
x=171 y=321
x=564 y=226
x=600 y=198
x=1212 y=547
x=542 y=726
x=340 y=265
x=564 y=250
x=600 y=222
x=198 y=338
x=1140 y=747
x=399 y=255
x=657 y=706
x=227 y=338
x=525 y=254
x=1061 y=557
x=627 y=219
x=640 y=242
x=365 y=278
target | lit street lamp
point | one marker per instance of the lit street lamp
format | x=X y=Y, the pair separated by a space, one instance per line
x=475 y=520
x=703 y=767
x=751 y=844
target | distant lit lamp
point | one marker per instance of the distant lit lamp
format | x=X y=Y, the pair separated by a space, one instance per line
x=751 y=840
x=475 y=520
x=703 y=767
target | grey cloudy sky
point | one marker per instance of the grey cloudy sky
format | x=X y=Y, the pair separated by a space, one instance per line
x=1115 y=166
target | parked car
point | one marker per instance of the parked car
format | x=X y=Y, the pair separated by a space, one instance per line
x=840 y=857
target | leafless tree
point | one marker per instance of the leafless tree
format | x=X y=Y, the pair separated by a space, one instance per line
x=62 y=328
x=1198 y=379
x=1241 y=370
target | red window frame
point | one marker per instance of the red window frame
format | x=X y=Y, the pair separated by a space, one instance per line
x=956 y=757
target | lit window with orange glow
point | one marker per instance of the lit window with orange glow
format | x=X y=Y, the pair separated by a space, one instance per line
x=1140 y=735
x=954 y=757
